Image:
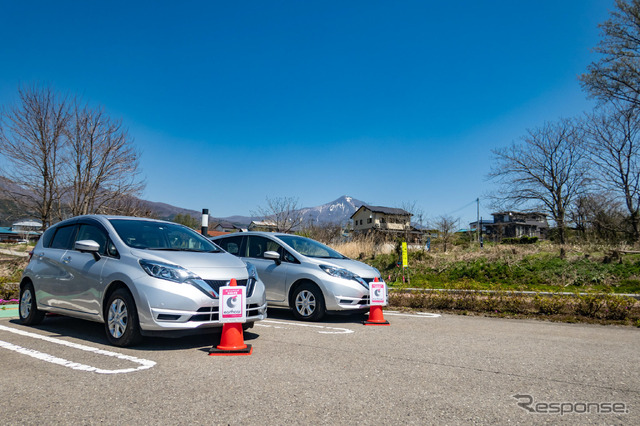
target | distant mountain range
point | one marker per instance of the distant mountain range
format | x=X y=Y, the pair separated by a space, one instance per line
x=338 y=211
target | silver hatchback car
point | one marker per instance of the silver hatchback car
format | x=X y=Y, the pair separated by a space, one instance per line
x=137 y=276
x=303 y=274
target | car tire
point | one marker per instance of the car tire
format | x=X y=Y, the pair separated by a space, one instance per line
x=121 y=319
x=308 y=302
x=27 y=307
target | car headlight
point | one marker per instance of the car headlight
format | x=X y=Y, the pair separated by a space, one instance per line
x=167 y=271
x=252 y=271
x=377 y=272
x=343 y=273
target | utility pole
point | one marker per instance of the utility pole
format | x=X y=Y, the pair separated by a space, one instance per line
x=478 y=219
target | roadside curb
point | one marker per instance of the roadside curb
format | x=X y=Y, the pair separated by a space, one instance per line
x=9 y=311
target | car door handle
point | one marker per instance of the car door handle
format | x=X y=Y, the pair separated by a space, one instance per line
x=66 y=259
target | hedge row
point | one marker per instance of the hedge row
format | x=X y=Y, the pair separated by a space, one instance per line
x=592 y=306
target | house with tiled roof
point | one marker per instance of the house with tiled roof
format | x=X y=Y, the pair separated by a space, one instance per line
x=388 y=221
x=226 y=227
x=264 y=225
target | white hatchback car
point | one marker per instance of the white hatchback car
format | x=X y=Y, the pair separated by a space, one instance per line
x=303 y=274
x=137 y=276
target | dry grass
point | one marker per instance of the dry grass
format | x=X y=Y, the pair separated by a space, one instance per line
x=362 y=248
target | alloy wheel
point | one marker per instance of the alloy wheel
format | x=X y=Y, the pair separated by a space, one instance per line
x=25 y=303
x=118 y=318
x=305 y=303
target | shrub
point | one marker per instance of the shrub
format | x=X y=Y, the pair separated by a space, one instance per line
x=9 y=291
x=441 y=300
x=601 y=307
x=589 y=305
x=522 y=240
x=548 y=305
x=466 y=301
x=617 y=308
x=514 y=303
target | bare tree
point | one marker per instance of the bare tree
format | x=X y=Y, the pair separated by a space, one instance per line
x=128 y=205
x=546 y=171
x=32 y=137
x=614 y=143
x=617 y=74
x=599 y=217
x=415 y=210
x=66 y=159
x=103 y=165
x=446 y=227
x=283 y=211
x=327 y=233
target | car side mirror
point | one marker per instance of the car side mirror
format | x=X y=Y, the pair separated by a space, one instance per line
x=88 y=246
x=273 y=255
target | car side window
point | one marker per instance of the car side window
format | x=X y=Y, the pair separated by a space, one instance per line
x=230 y=245
x=63 y=237
x=287 y=257
x=258 y=245
x=112 y=250
x=93 y=233
x=47 y=237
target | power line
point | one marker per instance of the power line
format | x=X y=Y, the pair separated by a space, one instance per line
x=463 y=207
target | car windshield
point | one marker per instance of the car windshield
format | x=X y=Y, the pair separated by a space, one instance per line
x=149 y=235
x=311 y=248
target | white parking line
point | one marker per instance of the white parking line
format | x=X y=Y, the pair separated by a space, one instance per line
x=417 y=314
x=335 y=330
x=144 y=363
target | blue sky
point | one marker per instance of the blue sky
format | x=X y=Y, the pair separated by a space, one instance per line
x=386 y=101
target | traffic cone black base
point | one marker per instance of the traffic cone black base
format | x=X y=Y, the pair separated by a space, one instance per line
x=375 y=323
x=218 y=352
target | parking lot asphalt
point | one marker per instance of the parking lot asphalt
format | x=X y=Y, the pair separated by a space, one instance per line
x=422 y=369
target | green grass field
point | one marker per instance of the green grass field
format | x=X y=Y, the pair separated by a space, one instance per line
x=537 y=267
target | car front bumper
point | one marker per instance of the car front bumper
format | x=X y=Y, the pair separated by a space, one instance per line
x=342 y=295
x=168 y=306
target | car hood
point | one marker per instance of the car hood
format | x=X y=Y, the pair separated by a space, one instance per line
x=361 y=269
x=206 y=265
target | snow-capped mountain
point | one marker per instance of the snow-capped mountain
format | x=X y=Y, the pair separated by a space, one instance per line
x=338 y=211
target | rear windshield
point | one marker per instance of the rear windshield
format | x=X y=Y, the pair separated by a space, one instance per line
x=149 y=235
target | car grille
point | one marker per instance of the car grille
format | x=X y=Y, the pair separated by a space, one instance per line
x=216 y=284
x=212 y=313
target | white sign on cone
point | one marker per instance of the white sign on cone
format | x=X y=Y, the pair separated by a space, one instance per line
x=232 y=304
x=378 y=293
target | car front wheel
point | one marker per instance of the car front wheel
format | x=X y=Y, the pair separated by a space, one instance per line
x=121 y=319
x=308 y=303
x=28 y=309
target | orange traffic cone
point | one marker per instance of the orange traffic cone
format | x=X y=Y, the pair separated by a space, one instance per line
x=375 y=314
x=232 y=339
